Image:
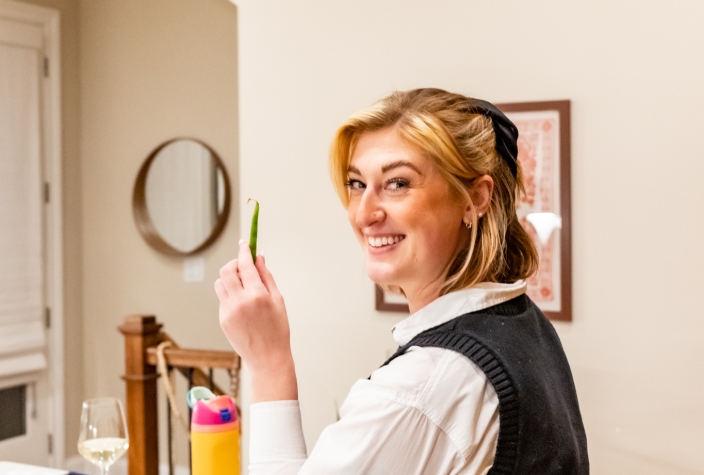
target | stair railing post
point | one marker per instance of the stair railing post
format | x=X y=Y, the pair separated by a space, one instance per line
x=141 y=332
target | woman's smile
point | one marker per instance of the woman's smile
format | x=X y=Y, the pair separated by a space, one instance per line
x=384 y=242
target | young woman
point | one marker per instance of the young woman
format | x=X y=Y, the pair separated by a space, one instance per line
x=480 y=384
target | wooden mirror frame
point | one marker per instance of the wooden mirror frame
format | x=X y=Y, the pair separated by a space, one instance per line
x=144 y=223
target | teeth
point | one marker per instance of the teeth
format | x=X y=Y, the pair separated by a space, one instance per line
x=384 y=241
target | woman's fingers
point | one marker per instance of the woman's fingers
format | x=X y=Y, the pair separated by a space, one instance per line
x=220 y=290
x=242 y=274
x=267 y=278
x=229 y=277
x=248 y=273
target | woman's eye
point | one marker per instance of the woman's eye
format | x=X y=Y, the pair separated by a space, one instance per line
x=353 y=184
x=396 y=184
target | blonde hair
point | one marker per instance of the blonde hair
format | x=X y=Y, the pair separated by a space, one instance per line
x=462 y=144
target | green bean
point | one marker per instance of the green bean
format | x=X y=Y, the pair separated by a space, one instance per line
x=254 y=229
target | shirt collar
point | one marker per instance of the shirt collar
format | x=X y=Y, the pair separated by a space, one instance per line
x=445 y=308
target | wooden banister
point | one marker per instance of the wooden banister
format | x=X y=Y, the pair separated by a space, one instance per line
x=188 y=358
x=141 y=332
x=142 y=335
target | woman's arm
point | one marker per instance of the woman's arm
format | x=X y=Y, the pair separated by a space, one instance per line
x=253 y=318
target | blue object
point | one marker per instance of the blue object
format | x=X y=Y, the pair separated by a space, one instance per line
x=198 y=393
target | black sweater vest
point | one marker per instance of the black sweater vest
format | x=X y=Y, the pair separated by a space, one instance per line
x=540 y=426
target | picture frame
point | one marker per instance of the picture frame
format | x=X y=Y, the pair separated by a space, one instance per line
x=388 y=302
x=544 y=151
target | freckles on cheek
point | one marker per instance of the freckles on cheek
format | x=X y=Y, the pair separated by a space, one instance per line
x=439 y=241
x=430 y=234
x=441 y=228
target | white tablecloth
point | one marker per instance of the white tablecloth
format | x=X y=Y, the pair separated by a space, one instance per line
x=12 y=468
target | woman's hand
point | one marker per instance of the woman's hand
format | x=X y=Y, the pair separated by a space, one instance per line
x=253 y=318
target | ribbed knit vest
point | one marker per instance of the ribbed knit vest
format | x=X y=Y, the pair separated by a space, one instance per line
x=517 y=348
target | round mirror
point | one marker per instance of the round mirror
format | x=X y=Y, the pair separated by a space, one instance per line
x=181 y=198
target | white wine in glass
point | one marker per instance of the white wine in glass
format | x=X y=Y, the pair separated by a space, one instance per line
x=103 y=436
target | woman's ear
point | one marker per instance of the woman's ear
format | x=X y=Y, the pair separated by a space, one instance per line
x=481 y=193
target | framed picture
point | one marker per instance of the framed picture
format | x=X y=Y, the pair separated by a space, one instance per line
x=544 y=154
x=388 y=302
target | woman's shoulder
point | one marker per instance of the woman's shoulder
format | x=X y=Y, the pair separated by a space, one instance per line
x=430 y=379
x=410 y=373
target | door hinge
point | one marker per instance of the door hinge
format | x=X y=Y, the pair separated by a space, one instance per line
x=47 y=318
x=50 y=443
x=46 y=67
x=46 y=192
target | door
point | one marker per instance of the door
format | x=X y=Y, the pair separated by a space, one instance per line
x=25 y=393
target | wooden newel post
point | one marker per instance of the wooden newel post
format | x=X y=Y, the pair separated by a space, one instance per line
x=141 y=332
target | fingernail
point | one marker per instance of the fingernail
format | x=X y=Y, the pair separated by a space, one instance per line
x=241 y=241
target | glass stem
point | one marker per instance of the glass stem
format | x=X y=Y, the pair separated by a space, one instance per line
x=103 y=469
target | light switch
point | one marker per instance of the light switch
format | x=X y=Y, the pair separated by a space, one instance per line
x=193 y=269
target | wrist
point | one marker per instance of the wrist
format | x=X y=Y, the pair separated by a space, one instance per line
x=275 y=383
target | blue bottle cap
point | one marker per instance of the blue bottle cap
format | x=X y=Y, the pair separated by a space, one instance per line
x=198 y=393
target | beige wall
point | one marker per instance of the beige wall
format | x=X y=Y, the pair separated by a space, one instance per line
x=150 y=71
x=73 y=337
x=633 y=73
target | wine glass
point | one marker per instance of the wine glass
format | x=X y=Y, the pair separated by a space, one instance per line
x=103 y=436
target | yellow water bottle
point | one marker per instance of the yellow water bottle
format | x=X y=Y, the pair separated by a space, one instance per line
x=215 y=434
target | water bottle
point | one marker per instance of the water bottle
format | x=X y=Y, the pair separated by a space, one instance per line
x=215 y=434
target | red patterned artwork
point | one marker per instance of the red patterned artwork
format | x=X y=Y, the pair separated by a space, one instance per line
x=538 y=152
x=543 y=151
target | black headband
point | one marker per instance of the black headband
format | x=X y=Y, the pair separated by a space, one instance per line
x=505 y=131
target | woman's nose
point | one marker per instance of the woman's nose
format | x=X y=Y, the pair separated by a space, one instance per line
x=369 y=211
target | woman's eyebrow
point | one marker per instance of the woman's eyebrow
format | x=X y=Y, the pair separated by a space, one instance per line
x=400 y=163
x=388 y=166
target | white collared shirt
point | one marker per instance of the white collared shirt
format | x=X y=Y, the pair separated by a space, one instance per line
x=430 y=411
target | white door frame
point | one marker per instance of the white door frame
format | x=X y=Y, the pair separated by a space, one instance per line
x=48 y=20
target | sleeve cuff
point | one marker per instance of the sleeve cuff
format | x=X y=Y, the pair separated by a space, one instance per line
x=276 y=432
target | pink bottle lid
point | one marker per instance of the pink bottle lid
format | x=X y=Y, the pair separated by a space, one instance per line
x=215 y=411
